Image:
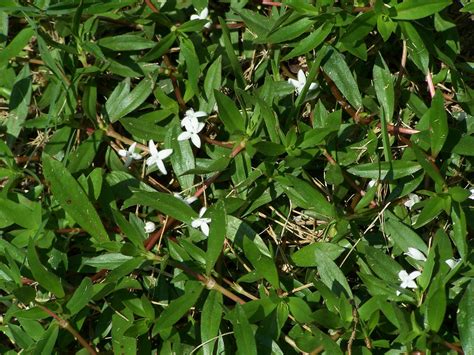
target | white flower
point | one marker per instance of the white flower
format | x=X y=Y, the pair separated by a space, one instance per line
x=471 y=197
x=412 y=200
x=193 y=127
x=452 y=263
x=158 y=156
x=191 y=116
x=301 y=82
x=187 y=200
x=150 y=227
x=408 y=280
x=202 y=16
x=129 y=154
x=415 y=254
x=201 y=222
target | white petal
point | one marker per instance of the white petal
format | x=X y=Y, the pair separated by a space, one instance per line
x=204 y=13
x=150 y=227
x=205 y=229
x=200 y=114
x=184 y=135
x=452 y=263
x=410 y=284
x=312 y=86
x=122 y=153
x=402 y=275
x=415 y=254
x=161 y=166
x=208 y=24
x=165 y=153
x=196 y=140
x=202 y=211
x=194 y=17
x=301 y=77
x=413 y=275
x=472 y=194
x=371 y=183
x=151 y=160
x=200 y=126
x=131 y=149
x=294 y=82
x=152 y=147
x=190 y=199
x=196 y=223
x=136 y=156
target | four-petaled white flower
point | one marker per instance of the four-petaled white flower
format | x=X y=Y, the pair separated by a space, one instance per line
x=301 y=82
x=187 y=200
x=408 y=279
x=193 y=127
x=191 y=116
x=157 y=157
x=415 y=254
x=202 y=16
x=371 y=183
x=412 y=200
x=452 y=263
x=202 y=222
x=129 y=154
x=150 y=227
x=471 y=197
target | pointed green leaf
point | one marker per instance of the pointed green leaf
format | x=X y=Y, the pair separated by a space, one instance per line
x=465 y=319
x=210 y=320
x=243 y=332
x=217 y=234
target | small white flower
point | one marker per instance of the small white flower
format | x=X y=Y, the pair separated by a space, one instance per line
x=187 y=200
x=129 y=154
x=301 y=82
x=372 y=183
x=150 y=227
x=412 y=200
x=202 y=222
x=193 y=127
x=415 y=254
x=191 y=116
x=471 y=197
x=408 y=280
x=202 y=16
x=157 y=157
x=452 y=263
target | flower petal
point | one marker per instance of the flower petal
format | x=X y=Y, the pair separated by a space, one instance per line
x=196 y=140
x=313 y=86
x=194 y=17
x=294 y=82
x=165 y=153
x=195 y=223
x=161 y=166
x=202 y=211
x=200 y=114
x=122 y=153
x=204 y=13
x=301 y=77
x=205 y=229
x=184 y=135
x=415 y=254
x=152 y=147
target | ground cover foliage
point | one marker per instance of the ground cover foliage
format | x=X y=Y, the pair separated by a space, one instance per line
x=236 y=176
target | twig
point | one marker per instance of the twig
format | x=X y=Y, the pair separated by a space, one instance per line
x=151 y=6
x=429 y=80
x=177 y=90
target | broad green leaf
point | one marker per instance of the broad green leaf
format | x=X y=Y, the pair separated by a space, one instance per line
x=16 y=45
x=212 y=81
x=436 y=304
x=255 y=22
x=438 y=124
x=107 y=261
x=313 y=40
x=229 y=114
x=72 y=198
x=217 y=234
x=416 y=9
x=19 y=102
x=46 y=344
x=81 y=297
x=182 y=159
x=336 y=68
x=459 y=235
x=121 y=102
x=264 y=264
x=192 y=63
x=84 y=155
x=45 y=278
x=229 y=49
x=307 y=256
x=465 y=319
x=331 y=275
x=165 y=203
x=159 y=49
x=126 y=42
x=243 y=332
x=18 y=213
x=300 y=310
x=430 y=211
x=416 y=48
x=383 y=84
x=360 y=27
x=210 y=320
x=290 y=31
x=428 y=166
x=178 y=307
x=385 y=170
x=403 y=236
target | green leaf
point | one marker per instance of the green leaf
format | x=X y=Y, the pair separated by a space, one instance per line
x=383 y=84
x=331 y=275
x=307 y=256
x=360 y=27
x=217 y=234
x=45 y=278
x=264 y=264
x=127 y=42
x=385 y=170
x=84 y=155
x=72 y=198
x=229 y=114
x=438 y=124
x=159 y=49
x=46 y=344
x=465 y=319
x=416 y=9
x=121 y=102
x=81 y=297
x=403 y=236
x=436 y=304
x=16 y=45
x=229 y=49
x=337 y=69
x=165 y=203
x=459 y=235
x=416 y=48
x=178 y=307
x=430 y=211
x=19 y=103
x=213 y=81
x=313 y=40
x=290 y=31
x=210 y=321
x=243 y=332
x=428 y=166
x=192 y=63
x=182 y=159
